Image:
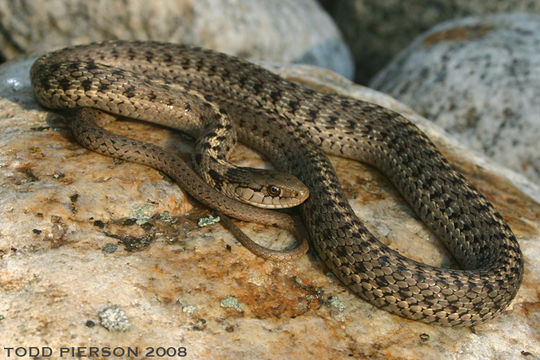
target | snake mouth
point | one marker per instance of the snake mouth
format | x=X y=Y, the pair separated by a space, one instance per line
x=272 y=196
x=288 y=197
x=265 y=188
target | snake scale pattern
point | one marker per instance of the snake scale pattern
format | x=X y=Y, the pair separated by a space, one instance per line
x=293 y=126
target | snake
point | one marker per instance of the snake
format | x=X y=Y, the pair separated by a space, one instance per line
x=295 y=127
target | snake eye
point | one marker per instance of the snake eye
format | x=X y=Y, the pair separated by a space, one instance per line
x=273 y=190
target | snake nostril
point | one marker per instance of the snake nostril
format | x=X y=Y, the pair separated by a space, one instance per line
x=273 y=190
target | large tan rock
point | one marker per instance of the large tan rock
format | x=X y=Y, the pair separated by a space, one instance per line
x=96 y=252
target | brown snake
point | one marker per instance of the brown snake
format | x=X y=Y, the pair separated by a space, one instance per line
x=292 y=126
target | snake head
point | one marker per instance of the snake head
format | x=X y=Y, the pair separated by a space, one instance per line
x=270 y=189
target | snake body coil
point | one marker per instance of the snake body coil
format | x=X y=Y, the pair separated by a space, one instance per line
x=293 y=126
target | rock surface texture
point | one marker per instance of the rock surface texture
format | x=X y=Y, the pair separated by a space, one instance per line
x=376 y=30
x=479 y=78
x=100 y=253
x=271 y=30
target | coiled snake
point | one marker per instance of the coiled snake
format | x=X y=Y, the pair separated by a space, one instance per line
x=293 y=126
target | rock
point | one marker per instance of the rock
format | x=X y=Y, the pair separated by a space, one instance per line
x=272 y=30
x=376 y=30
x=479 y=78
x=195 y=290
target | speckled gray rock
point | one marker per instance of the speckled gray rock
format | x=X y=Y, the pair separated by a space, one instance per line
x=197 y=289
x=376 y=30
x=479 y=78
x=272 y=30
